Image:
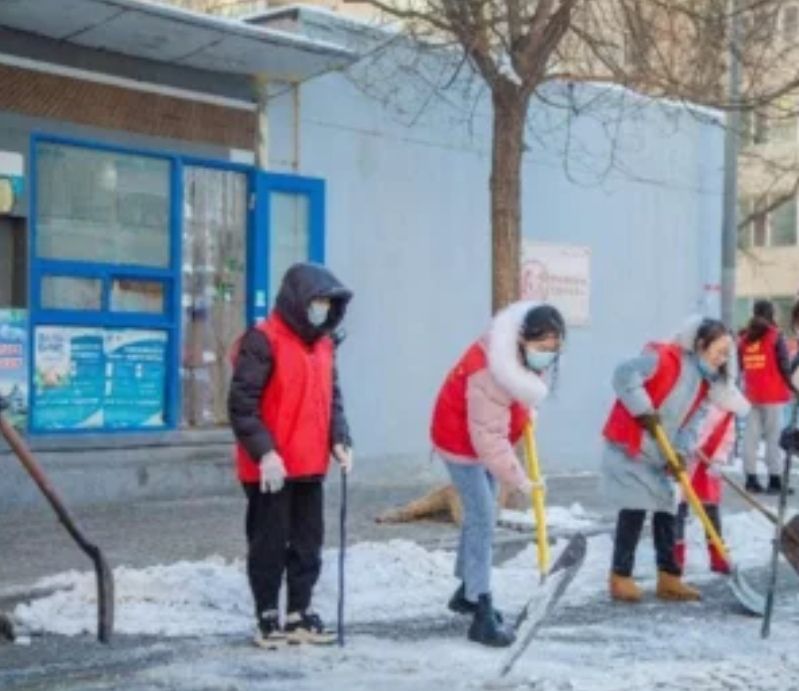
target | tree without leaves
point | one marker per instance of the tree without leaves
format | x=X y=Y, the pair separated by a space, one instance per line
x=675 y=49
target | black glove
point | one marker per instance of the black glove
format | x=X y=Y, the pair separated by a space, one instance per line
x=681 y=461
x=649 y=421
x=789 y=440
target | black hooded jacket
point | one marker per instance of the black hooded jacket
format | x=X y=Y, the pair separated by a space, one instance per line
x=255 y=362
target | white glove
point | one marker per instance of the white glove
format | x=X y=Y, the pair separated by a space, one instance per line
x=527 y=486
x=273 y=473
x=343 y=454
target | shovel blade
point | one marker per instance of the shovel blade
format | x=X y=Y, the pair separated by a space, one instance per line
x=753 y=602
x=789 y=542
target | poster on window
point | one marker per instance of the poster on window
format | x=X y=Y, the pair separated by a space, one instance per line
x=559 y=275
x=94 y=378
x=135 y=379
x=68 y=378
x=14 y=364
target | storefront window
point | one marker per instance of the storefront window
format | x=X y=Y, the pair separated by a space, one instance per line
x=289 y=240
x=13 y=260
x=68 y=292
x=102 y=206
x=213 y=292
x=128 y=295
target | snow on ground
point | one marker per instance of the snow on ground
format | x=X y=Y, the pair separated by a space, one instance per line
x=399 y=589
x=559 y=518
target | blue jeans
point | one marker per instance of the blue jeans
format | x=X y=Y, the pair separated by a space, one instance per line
x=477 y=490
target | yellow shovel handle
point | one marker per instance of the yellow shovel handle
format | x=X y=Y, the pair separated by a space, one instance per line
x=537 y=498
x=682 y=477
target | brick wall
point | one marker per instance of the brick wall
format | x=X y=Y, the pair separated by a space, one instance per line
x=113 y=107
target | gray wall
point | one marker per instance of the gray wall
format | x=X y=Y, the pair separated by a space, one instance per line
x=408 y=230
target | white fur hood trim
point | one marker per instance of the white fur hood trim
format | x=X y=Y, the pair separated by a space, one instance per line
x=518 y=381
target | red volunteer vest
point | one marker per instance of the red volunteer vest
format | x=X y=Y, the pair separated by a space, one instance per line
x=296 y=403
x=621 y=427
x=450 y=426
x=707 y=485
x=763 y=382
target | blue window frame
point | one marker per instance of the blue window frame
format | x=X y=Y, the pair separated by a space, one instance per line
x=166 y=278
x=104 y=318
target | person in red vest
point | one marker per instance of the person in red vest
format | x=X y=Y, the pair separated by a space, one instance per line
x=766 y=368
x=666 y=385
x=287 y=415
x=480 y=414
x=715 y=444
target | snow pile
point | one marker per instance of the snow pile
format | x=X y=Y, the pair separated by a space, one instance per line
x=559 y=518
x=388 y=581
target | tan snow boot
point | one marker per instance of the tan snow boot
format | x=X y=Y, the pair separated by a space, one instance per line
x=624 y=589
x=672 y=588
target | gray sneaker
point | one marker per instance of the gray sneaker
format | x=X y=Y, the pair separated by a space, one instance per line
x=269 y=635
x=307 y=627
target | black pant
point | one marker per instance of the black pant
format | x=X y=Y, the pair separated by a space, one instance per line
x=712 y=511
x=285 y=531
x=629 y=525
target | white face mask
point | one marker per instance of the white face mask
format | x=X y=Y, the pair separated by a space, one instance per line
x=539 y=360
x=318 y=312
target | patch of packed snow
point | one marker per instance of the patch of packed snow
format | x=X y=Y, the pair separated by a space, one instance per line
x=399 y=586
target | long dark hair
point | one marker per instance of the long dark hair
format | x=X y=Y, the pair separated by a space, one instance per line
x=711 y=330
x=762 y=320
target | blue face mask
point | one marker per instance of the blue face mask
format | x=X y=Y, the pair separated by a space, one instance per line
x=707 y=371
x=318 y=313
x=539 y=360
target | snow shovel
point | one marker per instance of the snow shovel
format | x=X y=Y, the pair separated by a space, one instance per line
x=105 y=577
x=556 y=579
x=341 y=554
x=789 y=536
x=778 y=530
x=537 y=499
x=750 y=600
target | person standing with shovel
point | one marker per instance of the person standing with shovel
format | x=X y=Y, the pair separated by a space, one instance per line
x=664 y=387
x=287 y=415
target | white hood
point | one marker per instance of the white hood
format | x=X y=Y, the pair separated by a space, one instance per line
x=523 y=385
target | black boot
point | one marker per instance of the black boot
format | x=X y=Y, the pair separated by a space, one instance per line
x=775 y=485
x=6 y=629
x=460 y=605
x=486 y=629
x=753 y=485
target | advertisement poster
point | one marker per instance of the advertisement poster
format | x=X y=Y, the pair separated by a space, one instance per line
x=93 y=378
x=559 y=275
x=14 y=364
x=68 y=378
x=135 y=379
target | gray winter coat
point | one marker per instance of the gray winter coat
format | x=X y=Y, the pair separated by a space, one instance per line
x=642 y=482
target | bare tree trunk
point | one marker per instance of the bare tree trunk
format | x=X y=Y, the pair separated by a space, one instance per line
x=510 y=110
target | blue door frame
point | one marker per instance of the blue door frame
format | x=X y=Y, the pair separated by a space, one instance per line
x=260 y=185
x=267 y=184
